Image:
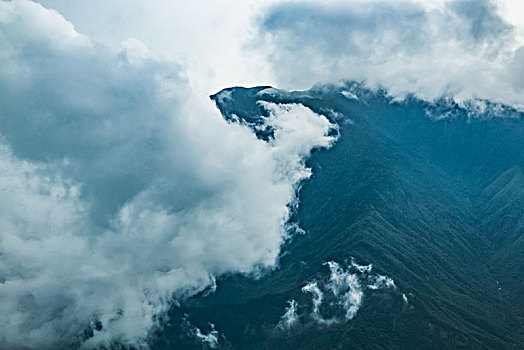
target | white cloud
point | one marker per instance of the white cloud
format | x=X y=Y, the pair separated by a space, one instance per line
x=381 y=282
x=342 y=295
x=210 y=39
x=464 y=49
x=429 y=47
x=346 y=286
x=317 y=299
x=361 y=268
x=208 y=340
x=122 y=190
x=290 y=317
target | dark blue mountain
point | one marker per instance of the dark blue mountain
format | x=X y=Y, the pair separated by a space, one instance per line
x=431 y=194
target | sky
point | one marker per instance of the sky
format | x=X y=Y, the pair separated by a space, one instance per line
x=211 y=39
x=463 y=49
x=124 y=190
x=233 y=43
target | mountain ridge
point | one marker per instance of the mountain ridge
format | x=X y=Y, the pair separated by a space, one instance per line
x=417 y=197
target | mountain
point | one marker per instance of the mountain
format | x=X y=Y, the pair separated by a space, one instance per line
x=430 y=194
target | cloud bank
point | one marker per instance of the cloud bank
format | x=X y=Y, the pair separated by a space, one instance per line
x=460 y=48
x=122 y=191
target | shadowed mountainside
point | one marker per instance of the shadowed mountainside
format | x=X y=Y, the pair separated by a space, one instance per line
x=431 y=194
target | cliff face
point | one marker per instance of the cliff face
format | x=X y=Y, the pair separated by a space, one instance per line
x=431 y=194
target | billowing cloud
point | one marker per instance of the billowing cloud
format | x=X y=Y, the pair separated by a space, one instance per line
x=463 y=49
x=208 y=38
x=123 y=191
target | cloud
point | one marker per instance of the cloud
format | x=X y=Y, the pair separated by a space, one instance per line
x=342 y=295
x=382 y=282
x=317 y=299
x=290 y=317
x=430 y=47
x=208 y=38
x=346 y=286
x=464 y=49
x=208 y=340
x=122 y=190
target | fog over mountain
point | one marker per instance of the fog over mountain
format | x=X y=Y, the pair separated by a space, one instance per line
x=462 y=49
x=261 y=175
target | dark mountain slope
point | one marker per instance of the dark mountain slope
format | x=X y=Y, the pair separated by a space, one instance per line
x=434 y=204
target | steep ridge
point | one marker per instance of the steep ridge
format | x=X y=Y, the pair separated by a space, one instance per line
x=435 y=203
